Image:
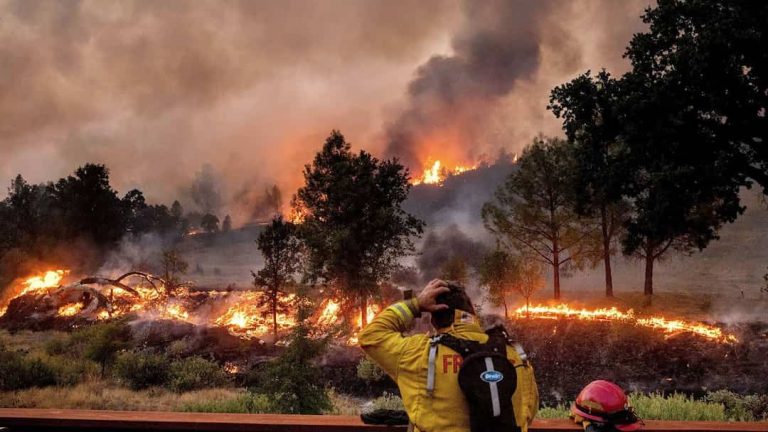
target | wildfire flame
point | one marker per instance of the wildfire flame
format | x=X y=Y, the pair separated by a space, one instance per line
x=70 y=309
x=436 y=173
x=248 y=319
x=49 y=279
x=41 y=282
x=668 y=326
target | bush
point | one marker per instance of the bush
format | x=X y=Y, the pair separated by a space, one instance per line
x=676 y=407
x=554 y=412
x=101 y=342
x=741 y=408
x=388 y=401
x=248 y=403
x=68 y=372
x=19 y=372
x=369 y=371
x=291 y=381
x=195 y=373
x=140 y=370
x=59 y=345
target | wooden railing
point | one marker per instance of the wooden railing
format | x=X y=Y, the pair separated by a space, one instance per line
x=53 y=419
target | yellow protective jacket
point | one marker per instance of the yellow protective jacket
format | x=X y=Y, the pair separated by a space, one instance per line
x=405 y=359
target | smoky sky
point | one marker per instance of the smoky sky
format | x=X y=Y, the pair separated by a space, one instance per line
x=158 y=89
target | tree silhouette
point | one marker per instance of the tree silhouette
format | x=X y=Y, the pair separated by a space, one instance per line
x=533 y=210
x=693 y=120
x=588 y=107
x=354 y=228
x=281 y=251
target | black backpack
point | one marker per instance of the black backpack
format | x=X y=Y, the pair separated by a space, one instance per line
x=487 y=378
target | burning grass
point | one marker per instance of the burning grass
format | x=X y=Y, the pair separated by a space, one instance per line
x=670 y=327
x=42 y=302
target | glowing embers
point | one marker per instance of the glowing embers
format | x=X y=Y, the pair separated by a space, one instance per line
x=669 y=327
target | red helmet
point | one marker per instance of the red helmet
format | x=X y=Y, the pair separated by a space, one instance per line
x=605 y=402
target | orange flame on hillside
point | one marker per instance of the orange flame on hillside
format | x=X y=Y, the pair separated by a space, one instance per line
x=436 y=173
x=668 y=326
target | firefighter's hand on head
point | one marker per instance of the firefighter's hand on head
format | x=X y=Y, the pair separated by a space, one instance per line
x=427 y=298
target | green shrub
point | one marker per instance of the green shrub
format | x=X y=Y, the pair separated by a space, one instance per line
x=58 y=345
x=555 y=412
x=388 y=401
x=741 y=408
x=658 y=407
x=757 y=405
x=676 y=407
x=68 y=372
x=139 y=370
x=369 y=371
x=195 y=373
x=18 y=372
x=248 y=403
x=291 y=381
x=101 y=342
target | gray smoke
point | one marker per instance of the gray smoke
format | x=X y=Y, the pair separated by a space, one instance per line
x=492 y=90
x=452 y=95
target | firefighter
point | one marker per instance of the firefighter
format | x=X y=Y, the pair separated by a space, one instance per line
x=427 y=373
x=602 y=406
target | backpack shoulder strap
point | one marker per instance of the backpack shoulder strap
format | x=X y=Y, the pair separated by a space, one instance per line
x=499 y=333
x=464 y=347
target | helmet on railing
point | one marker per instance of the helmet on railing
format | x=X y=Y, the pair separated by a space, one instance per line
x=605 y=402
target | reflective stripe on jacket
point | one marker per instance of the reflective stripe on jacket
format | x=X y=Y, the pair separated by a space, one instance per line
x=405 y=359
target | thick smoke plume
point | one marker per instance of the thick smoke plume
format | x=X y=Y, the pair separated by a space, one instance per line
x=492 y=90
x=452 y=95
x=157 y=89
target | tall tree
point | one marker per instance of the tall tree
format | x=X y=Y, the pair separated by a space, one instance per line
x=708 y=59
x=89 y=206
x=589 y=109
x=533 y=210
x=354 y=228
x=281 y=251
x=693 y=118
x=206 y=190
x=209 y=223
x=226 y=226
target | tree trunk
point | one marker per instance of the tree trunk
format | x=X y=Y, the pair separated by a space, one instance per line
x=363 y=312
x=274 y=317
x=528 y=306
x=556 y=271
x=506 y=311
x=607 y=253
x=649 y=259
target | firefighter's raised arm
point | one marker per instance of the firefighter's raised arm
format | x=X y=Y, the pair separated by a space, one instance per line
x=383 y=340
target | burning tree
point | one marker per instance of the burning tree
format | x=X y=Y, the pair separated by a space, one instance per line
x=281 y=250
x=504 y=274
x=353 y=227
x=533 y=210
